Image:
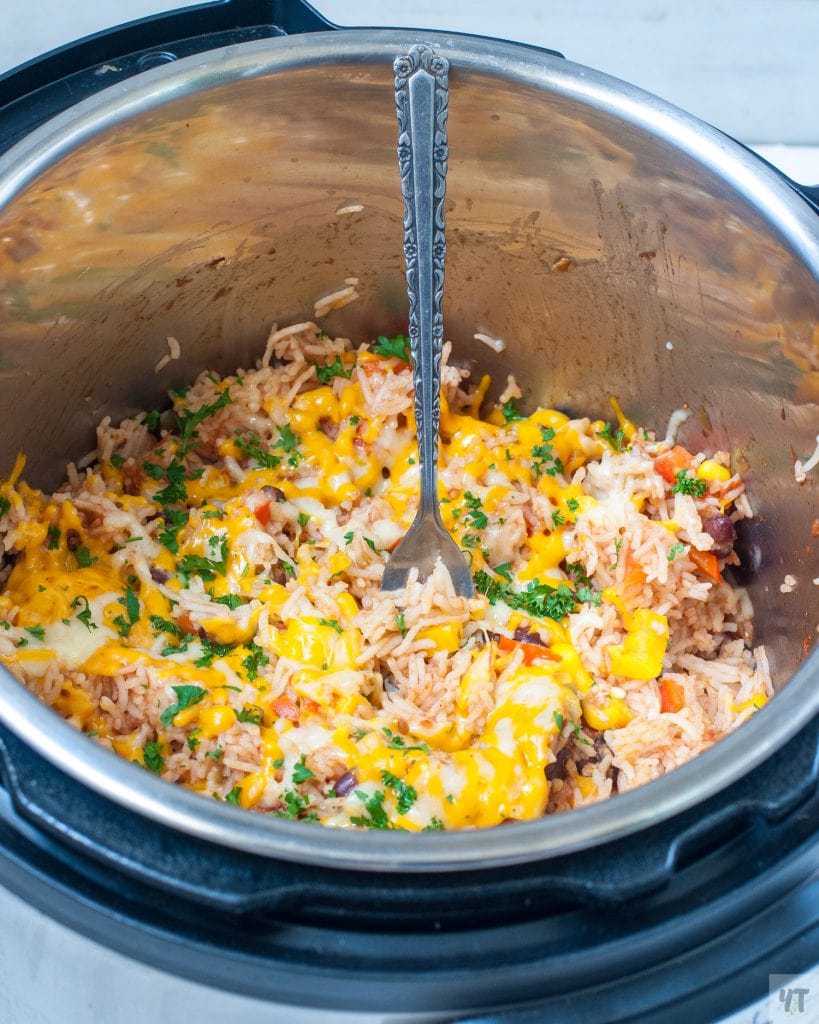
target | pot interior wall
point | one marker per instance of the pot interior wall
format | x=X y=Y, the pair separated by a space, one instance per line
x=609 y=262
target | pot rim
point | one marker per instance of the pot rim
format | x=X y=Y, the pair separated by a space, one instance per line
x=708 y=773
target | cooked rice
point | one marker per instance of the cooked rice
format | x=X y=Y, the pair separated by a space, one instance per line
x=205 y=601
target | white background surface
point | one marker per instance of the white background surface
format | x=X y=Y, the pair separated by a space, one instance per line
x=751 y=67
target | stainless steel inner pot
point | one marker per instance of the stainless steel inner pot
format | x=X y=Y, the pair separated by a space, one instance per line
x=618 y=246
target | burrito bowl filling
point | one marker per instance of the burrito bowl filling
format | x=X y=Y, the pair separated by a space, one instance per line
x=202 y=596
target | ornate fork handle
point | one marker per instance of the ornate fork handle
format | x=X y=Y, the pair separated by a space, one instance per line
x=421 y=101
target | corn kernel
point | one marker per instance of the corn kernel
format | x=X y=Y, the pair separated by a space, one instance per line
x=710 y=470
x=446 y=637
x=615 y=714
x=338 y=563
x=347 y=606
x=216 y=720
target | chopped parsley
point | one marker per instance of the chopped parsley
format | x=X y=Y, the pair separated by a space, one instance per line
x=615 y=441
x=348 y=537
x=330 y=370
x=5 y=506
x=572 y=504
x=304 y=519
x=207 y=568
x=397 y=742
x=509 y=411
x=188 y=422
x=473 y=512
x=131 y=617
x=174 y=492
x=405 y=795
x=84 y=557
x=233 y=796
x=232 y=601
x=85 y=615
x=38 y=632
x=689 y=485
x=370 y=543
x=675 y=550
x=294 y=804
x=435 y=825
x=537 y=599
x=193 y=740
x=252 y=447
x=255 y=661
x=400 y=624
x=152 y=755
x=186 y=696
x=332 y=623
x=215 y=754
x=210 y=651
x=172 y=522
x=558 y=519
x=52 y=538
x=252 y=714
x=393 y=348
x=301 y=773
x=373 y=805
x=558 y=720
x=544 y=459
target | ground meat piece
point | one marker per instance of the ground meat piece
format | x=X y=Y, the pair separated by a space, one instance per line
x=328 y=427
x=72 y=539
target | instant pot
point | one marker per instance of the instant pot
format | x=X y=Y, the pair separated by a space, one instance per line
x=204 y=173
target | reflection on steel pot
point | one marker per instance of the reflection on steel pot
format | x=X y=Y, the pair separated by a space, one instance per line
x=617 y=245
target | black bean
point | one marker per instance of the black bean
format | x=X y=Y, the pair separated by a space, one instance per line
x=721 y=528
x=72 y=539
x=346 y=784
x=159 y=575
x=525 y=636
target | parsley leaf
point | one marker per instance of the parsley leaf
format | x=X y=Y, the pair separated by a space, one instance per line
x=188 y=421
x=252 y=447
x=538 y=599
x=186 y=696
x=400 y=624
x=395 y=348
x=435 y=825
x=207 y=568
x=301 y=773
x=332 y=623
x=234 y=795
x=231 y=600
x=52 y=538
x=509 y=411
x=256 y=660
x=397 y=742
x=84 y=557
x=405 y=795
x=38 y=632
x=85 y=615
x=172 y=522
x=253 y=714
x=688 y=485
x=335 y=369
x=675 y=550
x=376 y=815
x=616 y=441
x=152 y=755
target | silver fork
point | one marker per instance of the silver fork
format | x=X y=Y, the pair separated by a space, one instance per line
x=421 y=84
